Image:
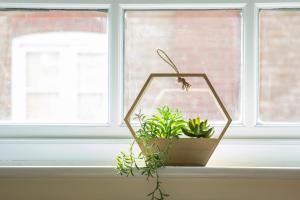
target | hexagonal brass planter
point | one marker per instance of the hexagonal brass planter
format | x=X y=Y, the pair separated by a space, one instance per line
x=184 y=151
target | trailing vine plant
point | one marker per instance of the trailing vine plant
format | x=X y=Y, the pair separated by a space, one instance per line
x=167 y=124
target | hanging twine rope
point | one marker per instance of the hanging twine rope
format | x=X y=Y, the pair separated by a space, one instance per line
x=165 y=57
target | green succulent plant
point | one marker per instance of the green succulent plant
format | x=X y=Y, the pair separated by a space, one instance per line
x=197 y=128
x=166 y=124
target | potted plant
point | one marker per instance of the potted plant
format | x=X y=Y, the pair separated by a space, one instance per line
x=166 y=137
x=159 y=136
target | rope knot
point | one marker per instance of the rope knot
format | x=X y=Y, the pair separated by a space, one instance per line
x=185 y=84
x=165 y=57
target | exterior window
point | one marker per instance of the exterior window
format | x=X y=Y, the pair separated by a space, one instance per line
x=73 y=69
x=279 y=59
x=55 y=66
x=199 y=41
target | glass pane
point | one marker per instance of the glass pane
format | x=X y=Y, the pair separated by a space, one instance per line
x=93 y=72
x=199 y=41
x=279 y=65
x=43 y=107
x=42 y=70
x=52 y=51
x=90 y=109
x=169 y=92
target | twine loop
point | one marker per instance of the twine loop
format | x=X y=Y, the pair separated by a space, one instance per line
x=167 y=59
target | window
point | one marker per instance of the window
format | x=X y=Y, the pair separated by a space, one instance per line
x=279 y=65
x=73 y=69
x=206 y=41
x=58 y=71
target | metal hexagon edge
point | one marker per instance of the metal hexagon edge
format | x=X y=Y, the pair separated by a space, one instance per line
x=203 y=75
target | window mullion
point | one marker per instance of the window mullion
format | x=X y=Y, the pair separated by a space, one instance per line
x=114 y=72
x=250 y=66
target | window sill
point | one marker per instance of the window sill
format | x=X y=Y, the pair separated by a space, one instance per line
x=232 y=158
x=187 y=172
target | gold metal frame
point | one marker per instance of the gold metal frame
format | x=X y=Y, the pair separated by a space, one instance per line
x=200 y=75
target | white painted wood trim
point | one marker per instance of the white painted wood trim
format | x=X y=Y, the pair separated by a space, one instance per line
x=102 y=153
x=187 y=172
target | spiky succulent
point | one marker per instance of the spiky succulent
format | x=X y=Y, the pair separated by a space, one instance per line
x=197 y=128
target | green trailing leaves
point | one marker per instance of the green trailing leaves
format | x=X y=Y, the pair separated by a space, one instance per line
x=166 y=124
x=128 y=163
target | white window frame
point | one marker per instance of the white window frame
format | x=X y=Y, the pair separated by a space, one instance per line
x=249 y=128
